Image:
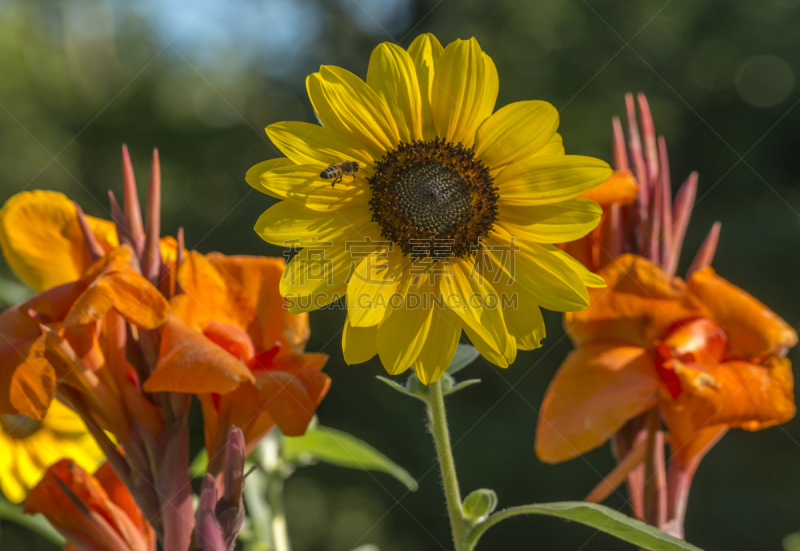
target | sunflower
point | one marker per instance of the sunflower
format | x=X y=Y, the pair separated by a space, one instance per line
x=28 y=447
x=444 y=217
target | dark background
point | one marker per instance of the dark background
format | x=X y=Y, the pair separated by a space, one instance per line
x=200 y=80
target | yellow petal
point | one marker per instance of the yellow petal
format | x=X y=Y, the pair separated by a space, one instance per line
x=392 y=75
x=552 y=282
x=359 y=344
x=539 y=180
x=304 y=143
x=403 y=331
x=318 y=270
x=554 y=147
x=253 y=176
x=515 y=132
x=553 y=223
x=594 y=393
x=426 y=51
x=291 y=224
x=589 y=279
x=302 y=184
x=345 y=104
x=370 y=289
x=524 y=320
x=440 y=345
x=42 y=240
x=464 y=91
x=471 y=296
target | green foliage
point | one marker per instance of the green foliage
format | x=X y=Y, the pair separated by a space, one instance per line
x=345 y=450
x=465 y=355
x=479 y=505
x=600 y=517
x=35 y=523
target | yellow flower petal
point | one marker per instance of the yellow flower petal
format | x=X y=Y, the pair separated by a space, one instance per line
x=464 y=91
x=545 y=275
x=317 y=271
x=539 y=180
x=440 y=346
x=515 y=132
x=289 y=223
x=302 y=184
x=524 y=320
x=370 y=290
x=359 y=344
x=404 y=329
x=42 y=240
x=553 y=223
x=345 y=104
x=392 y=75
x=470 y=296
x=304 y=143
x=554 y=147
x=589 y=279
x=426 y=51
x=254 y=174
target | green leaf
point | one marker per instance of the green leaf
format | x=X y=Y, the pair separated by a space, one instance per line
x=342 y=449
x=597 y=516
x=199 y=464
x=35 y=523
x=479 y=504
x=462 y=385
x=465 y=355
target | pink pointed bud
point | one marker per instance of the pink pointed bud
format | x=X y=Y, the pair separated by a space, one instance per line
x=130 y=201
x=151 y=260
x=654 y=231
x=620 y=149
x=230 y=508
x=123 y=235
x=705 y=255
x=681 y=212
x=635 y=149
x=649 y=136
x=95 y=249
x=666 y=201
x=207 y=534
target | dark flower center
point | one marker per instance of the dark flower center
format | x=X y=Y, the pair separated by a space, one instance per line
x=433 y=199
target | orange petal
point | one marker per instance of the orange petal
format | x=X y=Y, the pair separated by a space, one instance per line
x=259 y=277
x=120 y=496
x=598 y=388
x=639 y=304
x=292 y=398
x=737 y=393
x=753 y=329
x=75 y=503
x=190 y=362
x=210 y=295
x=42 y=240
x=621 y=189
x=27 y=381
x=136 y=299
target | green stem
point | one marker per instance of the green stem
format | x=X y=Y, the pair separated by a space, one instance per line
x=36 y=523
x=273 y=465
x=441 y=436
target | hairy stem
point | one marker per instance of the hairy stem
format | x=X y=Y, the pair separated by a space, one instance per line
x=441 y=437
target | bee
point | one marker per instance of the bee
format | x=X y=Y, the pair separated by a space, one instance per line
x=339 y=171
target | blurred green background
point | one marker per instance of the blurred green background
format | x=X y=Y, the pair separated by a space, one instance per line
x=200 y=80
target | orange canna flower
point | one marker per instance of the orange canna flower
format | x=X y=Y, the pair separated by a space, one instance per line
x=706 y=352
x=597 y=249
x=93 y=512
x=233 y=342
